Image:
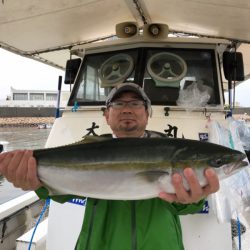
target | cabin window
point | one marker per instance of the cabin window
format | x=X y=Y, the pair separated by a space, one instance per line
x=169 y=71
x=101 y=72
x=162 y=72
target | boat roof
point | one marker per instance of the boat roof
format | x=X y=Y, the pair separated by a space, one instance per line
x=47 y=30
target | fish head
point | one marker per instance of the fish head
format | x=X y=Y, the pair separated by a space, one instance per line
x=234 y=167
x=229 y=162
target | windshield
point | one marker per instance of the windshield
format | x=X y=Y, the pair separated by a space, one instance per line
x=162 y=72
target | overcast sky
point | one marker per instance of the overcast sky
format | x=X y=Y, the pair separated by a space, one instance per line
x=23 y=73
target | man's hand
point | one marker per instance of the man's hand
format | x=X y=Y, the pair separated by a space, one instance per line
x=196 y=192
x=19 y=167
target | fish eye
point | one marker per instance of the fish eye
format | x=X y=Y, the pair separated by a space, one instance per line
x=216 y=162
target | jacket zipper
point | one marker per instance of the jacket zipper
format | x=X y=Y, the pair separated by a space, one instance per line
x=133 y=225
x=91 y=223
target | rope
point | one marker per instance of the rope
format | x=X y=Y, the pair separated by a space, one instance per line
x=239 y=232
x=47 y=202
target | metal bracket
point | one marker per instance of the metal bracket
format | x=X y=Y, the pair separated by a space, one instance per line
x=166 y=109
x=76 y=107
x=103 y=109
x=207 y=114
x=3 y=230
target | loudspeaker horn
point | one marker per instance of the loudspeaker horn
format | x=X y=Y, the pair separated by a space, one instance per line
x=155 y=30
x=126 y=29
x=233 y=66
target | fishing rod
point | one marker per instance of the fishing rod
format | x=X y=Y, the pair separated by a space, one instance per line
x=58 y=97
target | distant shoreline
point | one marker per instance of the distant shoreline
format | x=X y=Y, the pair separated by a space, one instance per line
x=8 y=122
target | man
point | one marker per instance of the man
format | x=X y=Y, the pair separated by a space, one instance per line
x=123 y=225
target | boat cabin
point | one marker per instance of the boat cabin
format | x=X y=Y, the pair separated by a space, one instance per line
x=184 y=79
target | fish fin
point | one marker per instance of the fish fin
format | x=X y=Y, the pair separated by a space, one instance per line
x=153 y=175
x=90 y=139
x=62 y=198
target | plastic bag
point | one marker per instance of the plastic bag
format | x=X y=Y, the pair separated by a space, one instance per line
x=243 y=132
x=195 y=95
x=234 y=193
x=241 y=181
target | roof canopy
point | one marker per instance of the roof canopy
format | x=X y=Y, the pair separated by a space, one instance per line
x=46 y=30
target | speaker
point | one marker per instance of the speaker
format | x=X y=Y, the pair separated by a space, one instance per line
x=116 y=68
x=72 y=67
x=166 y=69
x=233 y=66
x=155 y=30
x=126 y=29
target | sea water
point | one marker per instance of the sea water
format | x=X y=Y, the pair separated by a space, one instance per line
x=19 y=138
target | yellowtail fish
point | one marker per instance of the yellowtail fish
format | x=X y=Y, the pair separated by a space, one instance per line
x=130 y=168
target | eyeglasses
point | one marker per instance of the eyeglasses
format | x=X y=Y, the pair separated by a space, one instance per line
x=135 y=104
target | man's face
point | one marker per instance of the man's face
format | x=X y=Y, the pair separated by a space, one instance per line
x=127 y=121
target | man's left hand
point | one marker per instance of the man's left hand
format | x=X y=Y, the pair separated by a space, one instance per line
x=196 y=192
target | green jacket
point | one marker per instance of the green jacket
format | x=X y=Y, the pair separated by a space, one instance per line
x=130 y=225
x=133 y=225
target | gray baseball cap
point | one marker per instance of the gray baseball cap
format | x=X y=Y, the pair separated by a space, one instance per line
x=129 y=87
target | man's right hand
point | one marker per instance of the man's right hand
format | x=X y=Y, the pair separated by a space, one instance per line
x=20 y=168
